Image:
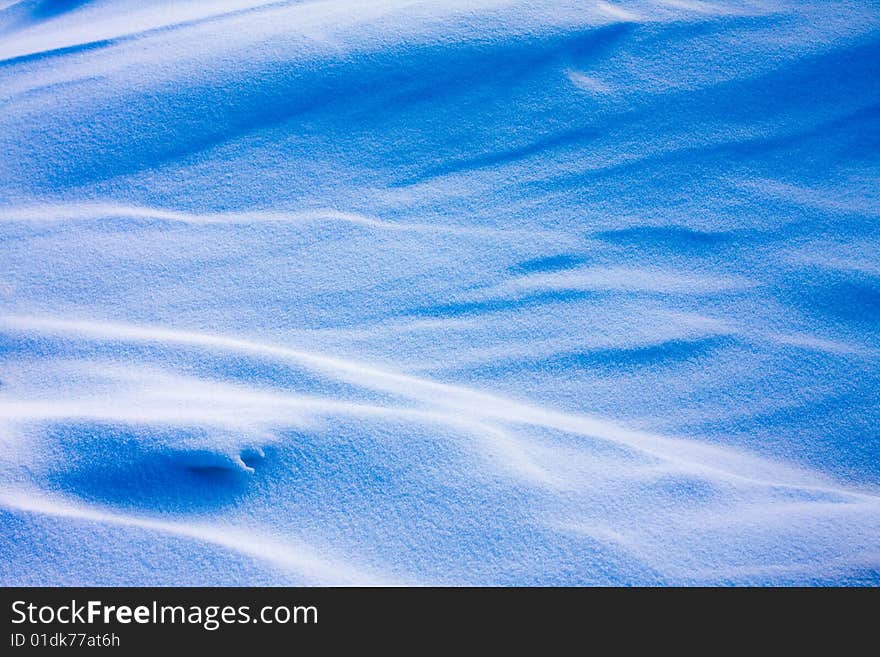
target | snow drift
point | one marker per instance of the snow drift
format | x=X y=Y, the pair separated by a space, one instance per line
x=436 y=293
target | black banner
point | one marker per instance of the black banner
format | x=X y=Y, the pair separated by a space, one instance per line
x=123 y=620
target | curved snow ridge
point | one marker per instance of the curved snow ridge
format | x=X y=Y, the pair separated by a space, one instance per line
x=660 y=506
x=41 y=28
x=452 y=404
x=286 y=554
x=252 y=79
x=124 y=21
x=91 y=212
x=625 y=279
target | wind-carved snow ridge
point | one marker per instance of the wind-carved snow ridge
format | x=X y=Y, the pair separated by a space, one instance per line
x=428 y=293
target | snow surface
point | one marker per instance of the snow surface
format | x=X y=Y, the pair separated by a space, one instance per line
x=401 y=292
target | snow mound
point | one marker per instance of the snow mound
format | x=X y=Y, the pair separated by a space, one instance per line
x=429 y=293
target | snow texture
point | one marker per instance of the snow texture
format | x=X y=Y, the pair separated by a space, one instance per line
x=400 y=292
